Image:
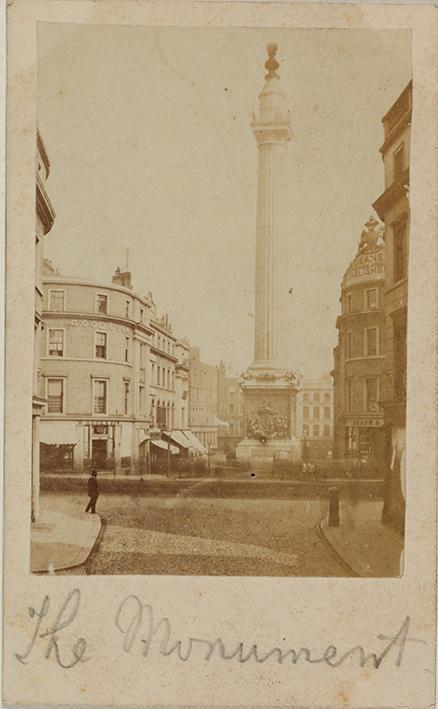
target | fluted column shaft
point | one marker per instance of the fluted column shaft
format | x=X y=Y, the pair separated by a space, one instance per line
x=268 y=234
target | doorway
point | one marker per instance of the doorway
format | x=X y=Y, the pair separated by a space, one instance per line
x=99 y=453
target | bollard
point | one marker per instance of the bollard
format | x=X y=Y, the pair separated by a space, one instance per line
x=333 y=514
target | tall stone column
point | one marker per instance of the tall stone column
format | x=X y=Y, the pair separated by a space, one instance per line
x=272 y=133
x=269 y=386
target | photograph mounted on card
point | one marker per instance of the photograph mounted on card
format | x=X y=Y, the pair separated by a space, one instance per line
x=221 y=324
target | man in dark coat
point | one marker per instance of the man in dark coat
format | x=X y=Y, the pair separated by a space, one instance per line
x=93 y=492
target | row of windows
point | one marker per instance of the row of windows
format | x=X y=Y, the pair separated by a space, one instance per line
x=56 y=396
x=371 y=300
x=317 y=397
x=163 y=415
x=316 y=430
x=164 y=344
x=370 y=396
x=162 y=376
x=316 y=412
x=56 y=345
x=370 y=347
x=57 y=302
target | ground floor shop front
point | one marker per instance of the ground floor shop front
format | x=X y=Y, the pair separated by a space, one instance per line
x=113 y=445
x=108 y=444
x=362 y=439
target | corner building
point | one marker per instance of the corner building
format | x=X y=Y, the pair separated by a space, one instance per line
x=393 y=208
x=359 y=358
x=95 y=362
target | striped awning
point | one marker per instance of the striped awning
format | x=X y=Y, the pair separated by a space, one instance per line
x=165 y=447
x=194 y=442
x=179 y=438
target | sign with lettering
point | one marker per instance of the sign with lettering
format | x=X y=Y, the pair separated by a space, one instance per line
x=364 y=422
x=99 y=324
x=367 y=267
x=98 y=424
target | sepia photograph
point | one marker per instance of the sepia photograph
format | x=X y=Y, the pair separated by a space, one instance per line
x=221 y=299
x=220 y=354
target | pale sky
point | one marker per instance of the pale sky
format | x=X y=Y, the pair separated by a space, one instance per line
x=151 y=150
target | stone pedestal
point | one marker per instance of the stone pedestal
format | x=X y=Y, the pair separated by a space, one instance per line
x=270 y=417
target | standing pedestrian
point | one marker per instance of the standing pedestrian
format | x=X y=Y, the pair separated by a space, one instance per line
x=93 y=491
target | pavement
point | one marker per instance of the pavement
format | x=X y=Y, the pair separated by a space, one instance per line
x=180 y=535
x=62 y=539
x=366 y=545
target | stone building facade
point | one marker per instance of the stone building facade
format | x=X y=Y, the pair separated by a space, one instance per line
x=359 y=358
x=45 y=217
x=182 y=353
x=162 y=374
x=315 y=417
x=95 y=361
x=203 y=419
x=230 y=411
x=393 y=208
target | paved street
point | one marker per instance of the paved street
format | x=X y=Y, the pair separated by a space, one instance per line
x=211 y=536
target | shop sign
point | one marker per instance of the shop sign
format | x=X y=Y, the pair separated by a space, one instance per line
x=99 y=324
x=97 y=424
x=364 y=423
x=368 y=267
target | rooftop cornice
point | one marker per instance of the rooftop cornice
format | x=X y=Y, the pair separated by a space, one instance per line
x=156 y=351
x=156 y=325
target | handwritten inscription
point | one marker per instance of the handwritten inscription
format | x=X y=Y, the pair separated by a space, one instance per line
x=68 y=657
x=140 y=629
x=142 y=632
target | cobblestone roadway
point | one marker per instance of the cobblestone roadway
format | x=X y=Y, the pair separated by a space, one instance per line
x=182 y=535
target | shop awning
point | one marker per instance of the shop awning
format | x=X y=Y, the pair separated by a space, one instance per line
x=165 y=447
x=195 y=442
x=179 y=438
x=55 y=434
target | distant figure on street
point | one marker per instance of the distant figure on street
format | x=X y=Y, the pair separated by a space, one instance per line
x=93 y=492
